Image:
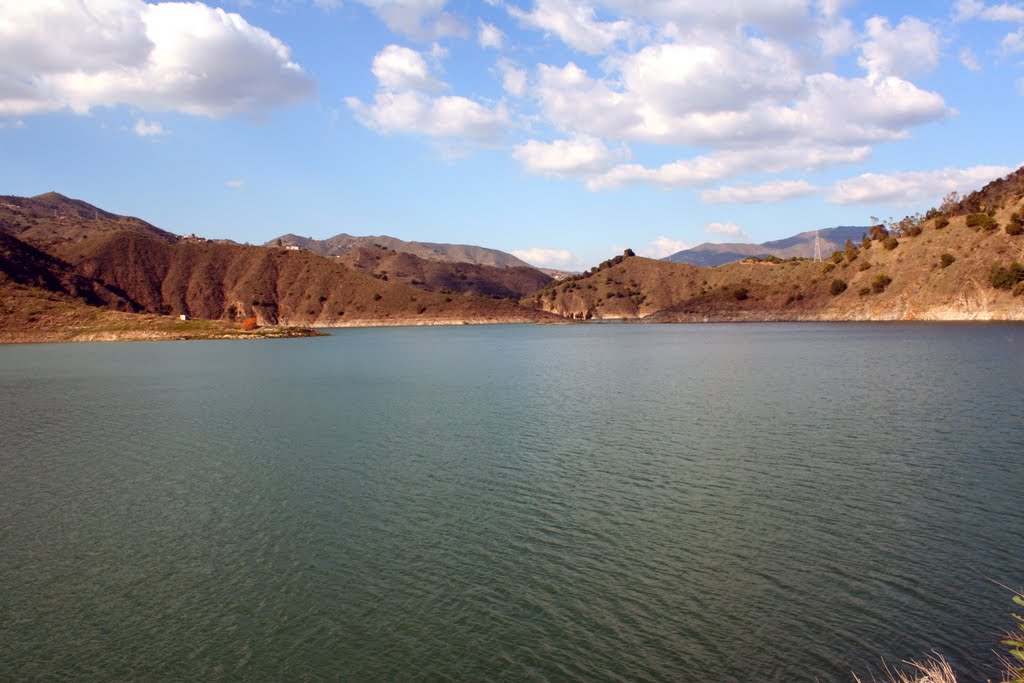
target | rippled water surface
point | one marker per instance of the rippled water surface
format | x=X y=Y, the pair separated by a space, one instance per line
x=589 y=502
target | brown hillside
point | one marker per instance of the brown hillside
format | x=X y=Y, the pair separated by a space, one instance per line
x=23 y=264
x=211 y=280
x=52 y=221
x=912 y=280
x=445 y=276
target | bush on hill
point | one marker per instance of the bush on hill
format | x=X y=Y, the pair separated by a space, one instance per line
x=981 y=221
x=946 y=260
x=1006 y=277
x=941 y=222
x=890 y=243
x=880 y=282
x=837 y=287
x=741 y=293
x=1016 y=224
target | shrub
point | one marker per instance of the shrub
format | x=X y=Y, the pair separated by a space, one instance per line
x=864 y=291
x=628 y=253
x=1018 y=289
x=378 y=297
x=890 y=243
x=941 y=222
x=1016 y=224
x=981 y=221
x=880 y=282
x=837 y=257
x=741 y=293
x=249 y=324
x=850 y=251
x=946 y=260
x=866 y=243
x=828 y=267
x=864 y=265
x=878 y=232
x=1005 y=278
x=837 y=287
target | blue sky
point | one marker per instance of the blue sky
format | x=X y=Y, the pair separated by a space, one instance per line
x=561 y=130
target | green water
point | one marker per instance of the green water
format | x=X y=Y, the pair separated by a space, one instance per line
x=591 y=502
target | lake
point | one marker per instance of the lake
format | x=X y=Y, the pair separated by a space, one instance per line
x=756 y=502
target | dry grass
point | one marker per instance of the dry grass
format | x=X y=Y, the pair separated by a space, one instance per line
x=933 y=670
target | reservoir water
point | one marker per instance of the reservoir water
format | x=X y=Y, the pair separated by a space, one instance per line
x=587 y=502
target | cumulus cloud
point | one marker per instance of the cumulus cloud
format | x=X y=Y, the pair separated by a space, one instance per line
x=148 y=129
x=731 y=229
x=489 y=35
x=767 y=193
x=914 y=187
x=1012 y=43
x=403 y=103
x=184 y=57
x=419 y=19
x=911 y=48
x=545 y=257
x=399 y=68
x=575 y=24
x=663 y=246
x=580 y=155
x=513 y=78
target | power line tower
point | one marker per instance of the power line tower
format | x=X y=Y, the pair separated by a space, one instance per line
x=817 y=247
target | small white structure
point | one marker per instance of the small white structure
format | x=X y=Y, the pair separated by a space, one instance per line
x=183 y=316
x=293 y=247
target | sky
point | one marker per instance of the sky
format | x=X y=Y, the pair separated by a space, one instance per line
x=562 y=131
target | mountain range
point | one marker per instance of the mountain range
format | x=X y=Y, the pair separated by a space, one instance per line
x=801 y=245
x=68 y=269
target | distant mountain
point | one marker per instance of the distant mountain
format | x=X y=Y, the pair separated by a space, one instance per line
x=710 y=255
x=432 y=251
x=52 y=221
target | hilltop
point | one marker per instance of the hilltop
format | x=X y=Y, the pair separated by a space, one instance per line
x=430 y=251
x=801 y=245
x=957 y=262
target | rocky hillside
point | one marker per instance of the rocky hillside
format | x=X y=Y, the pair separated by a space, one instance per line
x=801 y=245
x=964 y=261
x=431 y=251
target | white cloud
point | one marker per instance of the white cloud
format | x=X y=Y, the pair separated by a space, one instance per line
x=575 y=24
x=419 y=19
x=513 y=79
x=909 y=49
x=544 y=257
x=711 y=168
x=969 y=60
x=964 y=10
x=168 y=56
x=399 y=68
x=148 y=129
x=730 y=229
x=236 y=184
x=580 y=155
x=837 y=38
x=417 y=113
x=489 y=35
x=401 y=104
x=915 y=187
x=771 y=17
x=768 y=193
x=663 y=246
x=1012 y=43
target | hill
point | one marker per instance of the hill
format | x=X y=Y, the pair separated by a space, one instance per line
x=431 y=251
x=443 y=276
x=800 y=245
x=278 y=287
x=962 y=262
x=52 y=221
